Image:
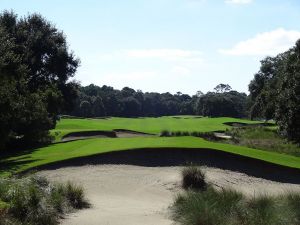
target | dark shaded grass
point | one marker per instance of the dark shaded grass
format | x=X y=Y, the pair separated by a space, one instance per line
x=33 y=200
x=229 y=207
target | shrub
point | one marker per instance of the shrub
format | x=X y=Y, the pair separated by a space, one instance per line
x=165 y=133
x=212 y=206
x=262 y=211
x=208 y=207
x=193 y=178
x=228 y=207
x=206 y=135
x=75 y=196
x=262 y=138
x=293 y=201
x=34 y=201
x=58 y=199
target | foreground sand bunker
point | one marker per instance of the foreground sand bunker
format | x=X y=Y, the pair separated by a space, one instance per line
x=137 y=186
x=135 y=195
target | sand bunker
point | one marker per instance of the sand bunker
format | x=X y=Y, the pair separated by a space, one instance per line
x=117 y=133
x=135 y=187
x=135 y=195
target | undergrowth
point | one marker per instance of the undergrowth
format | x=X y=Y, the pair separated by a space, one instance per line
x=262 y=138
x=205 y=135
x=35 y=201
x=226 y=206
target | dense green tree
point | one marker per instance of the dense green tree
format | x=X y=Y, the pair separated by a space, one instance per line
x=288 y=102
x=85 y=109
x=232 y=104
x=221 y=88
x=130 y=103
x=264 y=87
x=35 y=67
x=131 y=107
x=275 y=92
x=97 y=107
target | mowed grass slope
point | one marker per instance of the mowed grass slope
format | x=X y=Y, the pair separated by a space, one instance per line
x=63 y=151
x=147 y=125
x=80 y=148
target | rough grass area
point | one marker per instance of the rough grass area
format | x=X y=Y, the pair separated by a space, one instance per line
x=146 y=125
x=262 y=138
x=209 y=136
x=229 y=207
x=34 y=201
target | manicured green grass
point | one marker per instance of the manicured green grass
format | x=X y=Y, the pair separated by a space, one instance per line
x=147 y=124
x=62 y=151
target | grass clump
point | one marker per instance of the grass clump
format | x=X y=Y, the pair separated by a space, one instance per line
x=193 y=178
x=165 y=133
x=75 y=196
x=210 y=136
x=33 y=200
x=208 y=207
x=213 y=206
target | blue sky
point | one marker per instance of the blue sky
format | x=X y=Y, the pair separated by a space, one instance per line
x=170 y=45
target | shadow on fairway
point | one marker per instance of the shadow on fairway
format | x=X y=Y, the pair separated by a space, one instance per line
x=11 y=166
x=162 y=157
x=239 y=124
x=11 y=161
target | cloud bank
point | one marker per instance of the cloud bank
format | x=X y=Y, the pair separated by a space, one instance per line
x=267 y=43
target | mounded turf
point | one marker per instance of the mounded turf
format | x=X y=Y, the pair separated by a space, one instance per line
x=74 y=149
x=147 y=125
x=63 y=151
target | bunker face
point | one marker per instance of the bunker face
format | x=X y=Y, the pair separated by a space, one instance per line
x=117 y=133
x=166 y=157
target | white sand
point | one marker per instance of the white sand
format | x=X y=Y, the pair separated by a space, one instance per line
x=135 y=195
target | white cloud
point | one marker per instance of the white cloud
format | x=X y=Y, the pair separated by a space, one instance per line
x=238 y=2
x=267 y=43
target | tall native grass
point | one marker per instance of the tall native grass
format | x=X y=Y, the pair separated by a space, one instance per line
x=262 y=138
x=205 y=135
x=35 y=201
x=226 y=206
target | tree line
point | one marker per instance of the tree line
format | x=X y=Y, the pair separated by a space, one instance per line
x=36 y=86
x=95 y=101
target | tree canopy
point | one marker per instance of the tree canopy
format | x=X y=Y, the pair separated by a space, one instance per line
x=35 y=70
x=275 y=92
x=130 y=103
